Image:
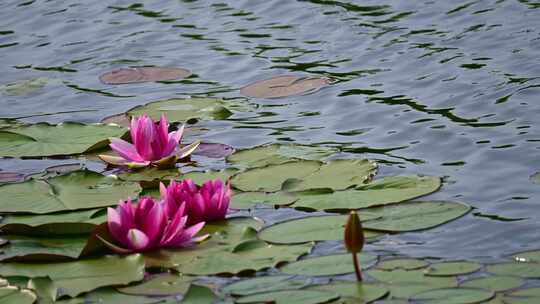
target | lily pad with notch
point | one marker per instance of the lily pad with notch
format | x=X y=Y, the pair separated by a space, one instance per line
x=284 y=86
x=143 y=74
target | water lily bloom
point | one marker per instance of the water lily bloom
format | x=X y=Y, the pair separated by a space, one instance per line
x=147 y=227
x=207 y=203
x=151 y=145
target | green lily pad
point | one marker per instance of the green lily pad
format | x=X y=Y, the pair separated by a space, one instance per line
x=182 y=110
x=248 y=200
x=200 y=177
x=64 y=223
x=452 y=268
x=454 y=296
x=232 y=248
x=44 y=288
x=353 y=292
x=25 y=87
x=405 y=283
x=402 y=263
x=290 y=296
x=314 y=228
x=528 y=256
x=277 y=154
x=494 y=283
x=14 y=295
x=198 y=295
x=74 y=278
x=265 y=284
x=76 y=190
x=26 y=248
x=43 y=139
x=415 y=215
x=328 y=265
x=109 y=295
x=523 y=270
x=304 y=175
x=160 y=285
x=523 y=296
x=271 y=178
x=149 y=174
x=380 y=192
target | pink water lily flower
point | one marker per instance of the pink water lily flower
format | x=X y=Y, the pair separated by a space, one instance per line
x=147 y=227
x=152 y=145
x=210 y=202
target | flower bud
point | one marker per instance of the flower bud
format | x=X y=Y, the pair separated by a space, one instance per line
x=354 y=234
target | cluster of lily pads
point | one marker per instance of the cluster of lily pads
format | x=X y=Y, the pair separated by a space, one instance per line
x=54 y=225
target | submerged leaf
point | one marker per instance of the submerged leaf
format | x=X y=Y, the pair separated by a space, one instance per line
x=265 y=284
x=284 y=86
x=143 y=74
x=328 y=265
x=452 y=268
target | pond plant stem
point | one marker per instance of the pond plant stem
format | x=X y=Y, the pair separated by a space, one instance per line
x=357 y=267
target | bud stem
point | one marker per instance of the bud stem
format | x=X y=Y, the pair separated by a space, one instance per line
x=357 y=267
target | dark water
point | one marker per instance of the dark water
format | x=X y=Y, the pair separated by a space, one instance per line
x=447 y=88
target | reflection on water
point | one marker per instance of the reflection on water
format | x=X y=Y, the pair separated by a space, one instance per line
x=447 y=88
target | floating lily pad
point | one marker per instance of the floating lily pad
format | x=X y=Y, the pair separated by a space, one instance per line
x=405 y=283
x=14 y=295
x=523 y=296
x=383 y=191
x=150 y=174
x=328 y=265
x=199 y=177
x=64 y=223
x=25 y=87
x=314 y=228
x=402 y=263
x=454 y=296
x=160 y=285
x=44 y=288
x=277 y=154
x=265 y=284
x=26 y=248
x=77 y=190
x=11 y=177
x=452 y=268
x=182 y=110
x=413 y=216
x=213 y=150
x=284 y=86
x=303 y=175
x=494 y=283
x=271 y=178
x=247 y=200
x=353 y=292
x=198 y=295
x=74 y=278
x=232 y=248
x=290 y=296
x=524 y=270
x=143 y=74
x=528 y=256
x=43 y=139
x=109 y=295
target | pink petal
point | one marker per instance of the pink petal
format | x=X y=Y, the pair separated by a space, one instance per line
x=154 y=224
x=144 y=137
x=138 y=240
x=125 y=149
x=114 y=224
x=186 y=237
x=173 y=228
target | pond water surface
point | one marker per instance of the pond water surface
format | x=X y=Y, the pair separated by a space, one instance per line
x=445 y=88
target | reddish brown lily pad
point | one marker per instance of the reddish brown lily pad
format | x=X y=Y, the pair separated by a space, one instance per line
x=143 y=74
x=213 y=150
x=284 y=86
x=11 y=177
